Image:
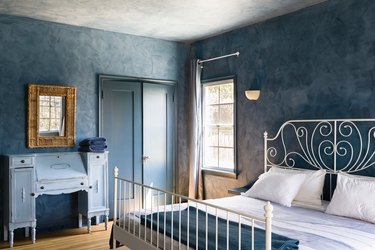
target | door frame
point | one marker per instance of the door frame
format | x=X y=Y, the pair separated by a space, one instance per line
x=102 y=78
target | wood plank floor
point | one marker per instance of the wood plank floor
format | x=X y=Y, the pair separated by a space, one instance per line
x=72 y=239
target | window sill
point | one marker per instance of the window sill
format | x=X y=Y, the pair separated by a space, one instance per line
x=221 y=173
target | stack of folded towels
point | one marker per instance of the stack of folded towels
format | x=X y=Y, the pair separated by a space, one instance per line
x=93 y=144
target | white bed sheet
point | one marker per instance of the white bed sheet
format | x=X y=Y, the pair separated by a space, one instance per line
x=314 y=229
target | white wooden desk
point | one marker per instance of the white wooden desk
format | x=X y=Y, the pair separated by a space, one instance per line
x=28 y=176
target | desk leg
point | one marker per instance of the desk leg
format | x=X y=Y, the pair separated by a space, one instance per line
x=27 y=232
x=11 y=238
x=79 y=220
x=97 y=218
x=5 y=233
x=89 y=225
x=106 y=222
x=33 y=234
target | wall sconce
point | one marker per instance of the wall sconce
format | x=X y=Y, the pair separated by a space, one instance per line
x=252 y=94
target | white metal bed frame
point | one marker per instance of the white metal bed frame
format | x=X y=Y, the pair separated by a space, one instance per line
x=335 y=142
x=128 y=233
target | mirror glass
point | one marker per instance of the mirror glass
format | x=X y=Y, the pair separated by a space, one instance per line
x=51 y=115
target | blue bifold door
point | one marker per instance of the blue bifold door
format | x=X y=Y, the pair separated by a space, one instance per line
x=138 y=120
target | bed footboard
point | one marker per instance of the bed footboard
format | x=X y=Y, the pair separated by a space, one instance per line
x=145 y=217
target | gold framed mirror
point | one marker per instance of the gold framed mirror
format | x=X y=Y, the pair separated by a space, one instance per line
x=51 y=116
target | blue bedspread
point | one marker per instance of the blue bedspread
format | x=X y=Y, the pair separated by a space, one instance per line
x=278 y=241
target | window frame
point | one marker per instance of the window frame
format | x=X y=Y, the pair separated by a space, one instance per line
x=224 y=172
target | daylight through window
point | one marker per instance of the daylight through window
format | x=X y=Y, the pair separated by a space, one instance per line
x=218 y=125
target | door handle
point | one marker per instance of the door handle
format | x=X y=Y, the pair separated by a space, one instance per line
x=23 y=195
x=145 y=158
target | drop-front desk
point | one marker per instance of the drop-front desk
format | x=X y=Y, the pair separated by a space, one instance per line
x=28 y=176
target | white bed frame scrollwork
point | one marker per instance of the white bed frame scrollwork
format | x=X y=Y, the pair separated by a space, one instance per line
x=129 y=199
x=335 y=145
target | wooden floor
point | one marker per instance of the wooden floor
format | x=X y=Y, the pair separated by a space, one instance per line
x=72 y=239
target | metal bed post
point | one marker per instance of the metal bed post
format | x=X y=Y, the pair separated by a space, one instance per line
x=115 y=173
x=268 y=218
x=265 y=150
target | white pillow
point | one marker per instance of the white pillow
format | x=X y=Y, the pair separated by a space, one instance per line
x=312 y=188
x=321 y=208
x=277 y=187
x=354 y=197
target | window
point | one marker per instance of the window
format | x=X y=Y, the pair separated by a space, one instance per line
x=218 y=125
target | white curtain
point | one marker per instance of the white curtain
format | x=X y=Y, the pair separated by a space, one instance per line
x=195 y=104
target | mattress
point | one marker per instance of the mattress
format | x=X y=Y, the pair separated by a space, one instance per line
x=313 y=228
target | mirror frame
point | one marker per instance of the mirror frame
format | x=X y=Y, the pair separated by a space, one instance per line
x=34 y=140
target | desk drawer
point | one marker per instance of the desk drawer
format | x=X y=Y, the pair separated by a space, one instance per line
x=22 y=161
x=95 y=157
x=61 y=186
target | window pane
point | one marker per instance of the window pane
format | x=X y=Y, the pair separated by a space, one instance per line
x=210 y=157
x=44 y=125
x=58 y=112
x=226 y=93
x=44 y=112
x=56 y=101
x=211 y=136
x=211 y=94
x=226 y=137
x=55 y=124
x=53 y=112
x=212 y=115
x=44 y=101
x=226 y=114
x=226 y=158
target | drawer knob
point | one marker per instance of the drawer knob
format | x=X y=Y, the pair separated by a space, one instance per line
x=82 y=183
x=42 y=187
x=90 y=187
x=32 y=194
x=97 y=157
x=22 y=161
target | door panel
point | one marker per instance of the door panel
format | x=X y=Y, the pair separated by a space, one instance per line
x=139 y=118
x=158 y=113
x=122 y=126
x=97 y=171
x=22 y=201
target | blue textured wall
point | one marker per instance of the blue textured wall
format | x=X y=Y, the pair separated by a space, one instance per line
x=314 y=63
x=41 y=52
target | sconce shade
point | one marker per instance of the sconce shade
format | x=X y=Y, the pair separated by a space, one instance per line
x=252 y=94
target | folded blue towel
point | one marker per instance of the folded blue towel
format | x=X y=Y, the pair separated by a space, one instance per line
x=93 y=141
x=93 y=148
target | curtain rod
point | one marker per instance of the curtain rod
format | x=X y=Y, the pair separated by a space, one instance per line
x=219 y=57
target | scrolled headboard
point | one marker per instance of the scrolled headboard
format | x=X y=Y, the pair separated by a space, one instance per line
x=346 y=145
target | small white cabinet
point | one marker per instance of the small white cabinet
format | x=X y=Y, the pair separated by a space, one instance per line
x=95 y=201
x=19 y=202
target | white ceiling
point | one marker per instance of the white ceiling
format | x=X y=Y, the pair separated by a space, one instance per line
x=176 y=20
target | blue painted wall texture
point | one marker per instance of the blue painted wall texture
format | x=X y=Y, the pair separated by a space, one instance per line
x=314 y=63
x=34 y=51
